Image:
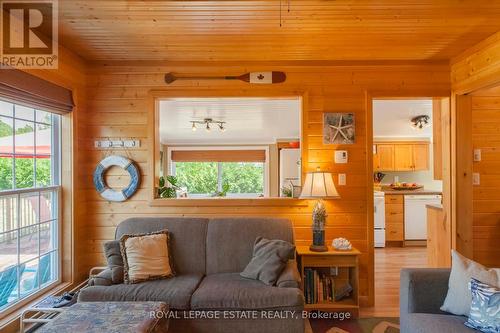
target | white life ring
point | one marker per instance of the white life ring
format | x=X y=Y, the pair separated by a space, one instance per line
x=108 y=193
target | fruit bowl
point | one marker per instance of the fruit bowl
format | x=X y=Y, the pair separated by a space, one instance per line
x=405 y=186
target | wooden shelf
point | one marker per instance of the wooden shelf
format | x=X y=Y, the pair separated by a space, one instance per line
x=347 y=303
x=304 y=250
x=348 y=266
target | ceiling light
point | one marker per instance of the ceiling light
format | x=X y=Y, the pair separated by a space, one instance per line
x=207 y=122
x=419 y=122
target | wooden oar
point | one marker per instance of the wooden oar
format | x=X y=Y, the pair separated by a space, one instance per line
x=252 y=77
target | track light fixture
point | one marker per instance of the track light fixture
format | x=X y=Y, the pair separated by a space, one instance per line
x=207 y=122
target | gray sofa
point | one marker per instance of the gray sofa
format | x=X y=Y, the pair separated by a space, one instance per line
x=422 y=292
x=208 y=255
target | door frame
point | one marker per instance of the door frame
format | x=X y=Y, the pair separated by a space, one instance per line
x=370 y=96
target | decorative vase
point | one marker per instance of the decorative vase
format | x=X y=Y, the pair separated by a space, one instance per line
x=318 y=227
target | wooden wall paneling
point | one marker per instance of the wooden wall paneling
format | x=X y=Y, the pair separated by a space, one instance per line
x=324 y=88
x=477 y=72
x=485 y=197
x=463 y=182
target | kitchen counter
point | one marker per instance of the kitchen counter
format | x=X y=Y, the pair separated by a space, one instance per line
x=388 y=190
x=434 y=206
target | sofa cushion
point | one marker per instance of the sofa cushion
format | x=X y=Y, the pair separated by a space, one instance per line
x=104 y=278
x=290 y=277
x=269 y=259
x=459 y=298
x=230 y=240
x=432 y=323
x=485 y=309
x=176 y=291
x=187 y=236
x=146 y=257
x=230 y=291
x=114 y=260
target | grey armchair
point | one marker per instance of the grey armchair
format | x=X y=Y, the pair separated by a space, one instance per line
x=422 y=292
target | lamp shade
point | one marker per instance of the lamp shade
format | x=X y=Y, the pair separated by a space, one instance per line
x=319 y=185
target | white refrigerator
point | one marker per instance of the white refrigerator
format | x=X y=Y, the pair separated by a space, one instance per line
x=289 y=168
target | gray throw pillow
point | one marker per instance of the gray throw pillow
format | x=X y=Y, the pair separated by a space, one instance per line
x=101 y=279
x=115 y=260
x=268 y=260
x=459 y=298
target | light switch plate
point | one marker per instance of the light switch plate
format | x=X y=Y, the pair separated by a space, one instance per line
x=342 y=179
x=477 y=155
x=476 y=179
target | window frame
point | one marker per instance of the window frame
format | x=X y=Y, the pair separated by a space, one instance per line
x=171 y=169
x=154 y=147
x=55 y=220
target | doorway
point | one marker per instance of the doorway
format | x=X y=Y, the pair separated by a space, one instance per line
x=409 y=177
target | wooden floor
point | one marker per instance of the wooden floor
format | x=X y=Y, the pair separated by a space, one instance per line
x=388 y=263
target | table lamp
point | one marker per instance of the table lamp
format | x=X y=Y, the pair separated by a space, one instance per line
x=319 y=185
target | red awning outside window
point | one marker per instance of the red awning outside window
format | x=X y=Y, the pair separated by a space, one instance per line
x=25 y=145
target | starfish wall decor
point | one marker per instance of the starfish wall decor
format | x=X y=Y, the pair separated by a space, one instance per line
x=338 y=128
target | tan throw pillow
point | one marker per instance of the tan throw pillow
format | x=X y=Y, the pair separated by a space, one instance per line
x=146 y=257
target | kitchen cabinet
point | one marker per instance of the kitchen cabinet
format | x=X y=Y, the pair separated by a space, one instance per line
x=420 y=157
x=383 y=159
x=401 y=156
x=438 y=237
x=394 y=218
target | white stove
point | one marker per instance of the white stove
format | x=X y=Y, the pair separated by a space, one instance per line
x=379 y=218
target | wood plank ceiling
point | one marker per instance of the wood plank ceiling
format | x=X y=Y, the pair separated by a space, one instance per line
x=250 y=30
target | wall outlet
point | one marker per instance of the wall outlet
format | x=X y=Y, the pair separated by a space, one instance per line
x=476 y=179
x=342 y=179
x=477 y=155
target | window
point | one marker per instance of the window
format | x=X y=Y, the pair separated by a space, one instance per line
x=219 y=172
x=29 y=200
x=232 y=179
